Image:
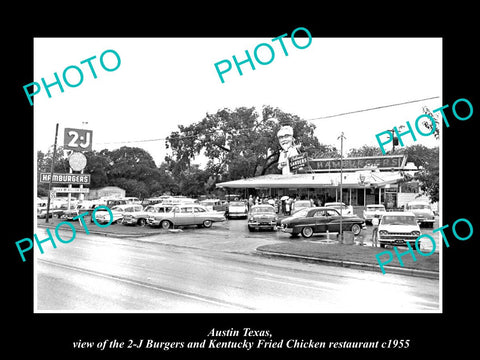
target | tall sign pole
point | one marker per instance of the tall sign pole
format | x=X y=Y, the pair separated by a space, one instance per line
x=341 y=137
x=51 y=174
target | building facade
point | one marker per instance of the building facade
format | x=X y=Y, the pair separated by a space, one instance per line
x=362 y=180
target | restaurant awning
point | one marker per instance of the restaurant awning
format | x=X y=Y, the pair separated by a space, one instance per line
x=357 y=179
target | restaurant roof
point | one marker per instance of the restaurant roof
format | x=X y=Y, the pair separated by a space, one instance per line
x=357 y=179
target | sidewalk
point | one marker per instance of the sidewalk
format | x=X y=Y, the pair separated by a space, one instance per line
x=330 y=252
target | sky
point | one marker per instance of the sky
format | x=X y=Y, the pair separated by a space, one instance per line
x=164 y=82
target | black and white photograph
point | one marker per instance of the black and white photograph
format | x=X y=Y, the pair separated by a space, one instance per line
x=240 y=181
x=292 y=174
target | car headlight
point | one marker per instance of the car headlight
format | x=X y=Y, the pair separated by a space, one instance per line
x=416 y=233
x=383 y=232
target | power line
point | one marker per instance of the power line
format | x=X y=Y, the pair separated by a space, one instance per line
x=317 y=118
x=374 y=108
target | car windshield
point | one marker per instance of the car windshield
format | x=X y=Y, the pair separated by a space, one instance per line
x=398 y=220
x=418 y=207
x=373 y=208
x=161 y=209
x=263 y=209
x=237 y=203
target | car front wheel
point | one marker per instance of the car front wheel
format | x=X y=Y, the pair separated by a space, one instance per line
x=307 y=232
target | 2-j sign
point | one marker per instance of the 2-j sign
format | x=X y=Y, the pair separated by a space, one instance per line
x=78 y=139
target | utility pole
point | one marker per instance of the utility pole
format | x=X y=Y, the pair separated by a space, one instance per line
x=341 y=137
x=51 y=173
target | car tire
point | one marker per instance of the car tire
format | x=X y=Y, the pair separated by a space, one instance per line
x=141 y=222
x=356 y=229
x=207 y=223
x=165 y=224
x=307 y=232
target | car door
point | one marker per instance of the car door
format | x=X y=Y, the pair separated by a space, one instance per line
x=184 y=215
x=320 y=221
x=200 y=215
x=333 y=220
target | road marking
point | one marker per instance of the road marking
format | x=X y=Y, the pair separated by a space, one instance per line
x=146 y=285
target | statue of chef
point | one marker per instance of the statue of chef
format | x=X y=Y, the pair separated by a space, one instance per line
x=285 y=137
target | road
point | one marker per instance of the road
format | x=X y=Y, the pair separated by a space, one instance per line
x=211 y=270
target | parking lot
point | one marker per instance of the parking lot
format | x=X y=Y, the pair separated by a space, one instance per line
x=229 y=235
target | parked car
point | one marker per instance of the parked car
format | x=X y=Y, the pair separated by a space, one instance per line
x=215 y=205
x=137 y=217
x=190 y=214
x=114 y=202
x=373 y=211
x=262 y=217
x=301 y=204
x=398 y=228
x=158 y=214
x=103 y=217
x=69 y=214
x=237 y=209
x=309 y=221
x=42 y=212
x=346 y=209
x=423 y=212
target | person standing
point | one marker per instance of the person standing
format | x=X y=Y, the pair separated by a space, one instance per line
x=250 y=202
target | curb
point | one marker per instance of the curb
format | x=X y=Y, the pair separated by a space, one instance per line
x=352 y=264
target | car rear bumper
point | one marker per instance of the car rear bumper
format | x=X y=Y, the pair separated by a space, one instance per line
x=230 y=214
x=129 y=221
x=429 y=221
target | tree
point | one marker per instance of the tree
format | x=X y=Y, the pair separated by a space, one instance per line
x=427 y=159
x=365 y=150
x=237 y=144
x=44 y=164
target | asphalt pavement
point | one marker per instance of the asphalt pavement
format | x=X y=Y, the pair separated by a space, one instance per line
x=211 y=270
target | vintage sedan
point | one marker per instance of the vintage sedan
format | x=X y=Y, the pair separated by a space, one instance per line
x=157 y=214
x=237 y=209
x=301 y=204
x=320 y=220
x=103 y=216
x=423 y=212
x=398 y=228
x=137 y=217
x=262 y=217
x=373 y=211
x=190 y=214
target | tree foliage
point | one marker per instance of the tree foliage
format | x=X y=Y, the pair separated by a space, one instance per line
x=426 y=159
x=237 y=144
x=129 y=168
